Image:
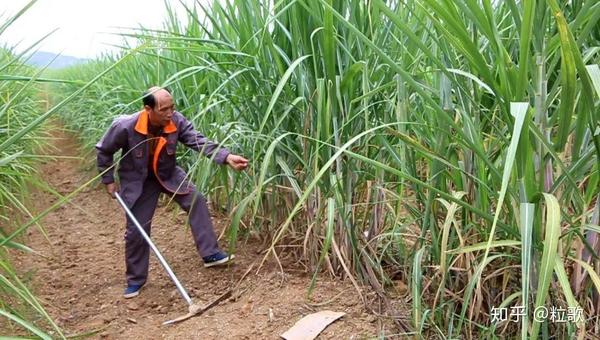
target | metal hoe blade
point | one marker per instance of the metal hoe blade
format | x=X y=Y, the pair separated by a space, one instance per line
x=195 y=310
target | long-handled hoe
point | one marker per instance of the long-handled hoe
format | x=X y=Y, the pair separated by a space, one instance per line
x=193 y=309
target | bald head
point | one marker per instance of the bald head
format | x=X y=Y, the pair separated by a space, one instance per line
x=158 y=102
x=149 y=97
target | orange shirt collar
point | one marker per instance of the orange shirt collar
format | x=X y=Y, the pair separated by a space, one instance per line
x=141 y=125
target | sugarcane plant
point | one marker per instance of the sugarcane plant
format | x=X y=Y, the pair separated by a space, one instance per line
x=451 y=145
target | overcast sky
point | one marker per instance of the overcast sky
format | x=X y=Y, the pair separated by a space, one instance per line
x=82 y=24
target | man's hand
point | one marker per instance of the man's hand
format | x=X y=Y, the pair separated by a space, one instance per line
x=236 y=162
x=111 y=188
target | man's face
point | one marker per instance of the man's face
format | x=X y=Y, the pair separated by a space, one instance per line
x=162 y=112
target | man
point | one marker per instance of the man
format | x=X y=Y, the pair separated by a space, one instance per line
x=148 y=140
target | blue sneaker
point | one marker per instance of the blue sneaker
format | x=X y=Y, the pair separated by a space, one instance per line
x=132 y=291
x=217 y=258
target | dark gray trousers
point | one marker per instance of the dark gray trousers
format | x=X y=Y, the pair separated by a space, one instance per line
x=137 y=251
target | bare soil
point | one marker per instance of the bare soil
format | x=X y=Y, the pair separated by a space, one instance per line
x=80 y=277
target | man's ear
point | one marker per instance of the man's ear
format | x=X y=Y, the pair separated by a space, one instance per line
x=147 y=108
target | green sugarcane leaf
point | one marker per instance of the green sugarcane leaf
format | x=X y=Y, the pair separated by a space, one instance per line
x=548 y=260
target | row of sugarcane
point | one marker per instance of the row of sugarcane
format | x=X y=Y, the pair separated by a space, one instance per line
x=451 y=145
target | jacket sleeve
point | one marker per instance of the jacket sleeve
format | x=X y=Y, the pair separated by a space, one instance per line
x=195 y=140
x=113 y=140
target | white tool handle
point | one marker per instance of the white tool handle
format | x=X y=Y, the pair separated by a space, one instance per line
x=161 y=259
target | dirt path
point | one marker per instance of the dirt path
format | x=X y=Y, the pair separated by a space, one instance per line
x=81 y=278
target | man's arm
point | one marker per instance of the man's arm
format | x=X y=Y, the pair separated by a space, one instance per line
x=195 y=140
x=113 y=140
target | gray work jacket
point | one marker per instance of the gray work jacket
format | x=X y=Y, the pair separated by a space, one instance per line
x=129 y=134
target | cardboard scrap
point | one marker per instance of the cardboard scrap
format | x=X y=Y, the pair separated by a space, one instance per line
x=311 y=325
